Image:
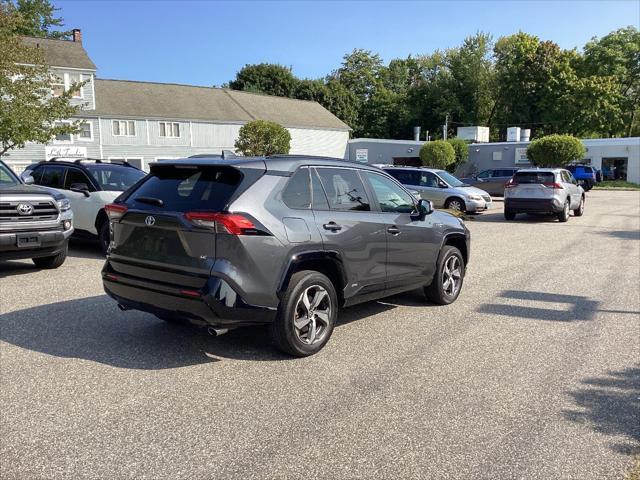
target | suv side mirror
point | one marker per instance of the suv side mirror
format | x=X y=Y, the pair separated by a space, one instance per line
x=80 y=188
x=423 y=208
x=27 y=179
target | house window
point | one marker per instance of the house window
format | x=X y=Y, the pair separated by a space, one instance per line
x=86 y=132
x=58 y=85
x=63 y=83
x=71 y=79
x=170 y=129
x=62 y=137
x=123 y=128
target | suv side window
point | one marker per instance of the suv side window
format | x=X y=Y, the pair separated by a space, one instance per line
x=75 y=175
x=344 y=189
x=405 y=177
x=485 y=174
x=428 y=179
x=53 y=176
x=319 y=201
x=391 y=197
x=297 y=193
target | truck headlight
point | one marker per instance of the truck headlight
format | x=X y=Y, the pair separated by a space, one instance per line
x=63 y=205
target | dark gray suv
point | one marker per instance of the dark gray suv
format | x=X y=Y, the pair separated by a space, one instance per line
x=281 y=240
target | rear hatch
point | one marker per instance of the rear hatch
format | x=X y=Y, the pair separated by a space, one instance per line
x=165 y=230
x=532 y=185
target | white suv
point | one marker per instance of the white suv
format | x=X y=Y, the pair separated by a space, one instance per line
x=543 y=190
x=89 y=185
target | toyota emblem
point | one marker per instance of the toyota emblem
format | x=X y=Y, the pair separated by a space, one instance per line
x=24 y=209
x=150 y=221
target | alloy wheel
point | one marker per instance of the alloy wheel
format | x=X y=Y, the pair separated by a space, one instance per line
x=451 y=275
x=312 y=315
x=455 y=205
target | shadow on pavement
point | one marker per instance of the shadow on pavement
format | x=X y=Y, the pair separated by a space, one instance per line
x=580 y=308
x=610 y=404
x=95 y=329
x=85 y=248
x=498 y=217
x=17 y=267
x=623 y=234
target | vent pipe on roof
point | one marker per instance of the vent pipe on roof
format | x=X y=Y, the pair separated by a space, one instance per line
x=77 y=35
x=416 y=134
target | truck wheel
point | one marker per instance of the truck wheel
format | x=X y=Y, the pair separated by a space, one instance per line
x=580 y=210
x=509 y=215
x=447 y=281
x=307 y=314
x=53 y=261
x=104 y=237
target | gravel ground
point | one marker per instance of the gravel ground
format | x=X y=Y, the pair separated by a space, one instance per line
x=533 y=373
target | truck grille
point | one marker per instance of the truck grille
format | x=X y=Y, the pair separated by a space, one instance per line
x=42 y=211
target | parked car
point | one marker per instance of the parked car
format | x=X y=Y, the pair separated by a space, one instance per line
x=90 y=185
x=35 y=222
x=441 y=188
x=584 y=174
x=492 y=180
x=543 y=190
x=285 y=241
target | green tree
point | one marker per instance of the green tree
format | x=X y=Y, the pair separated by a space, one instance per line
x=437 y=154
x=461 y=149
x=261 y=137
x=555 y=151
x=36 y=18
x=28 y=110
x=266 y=78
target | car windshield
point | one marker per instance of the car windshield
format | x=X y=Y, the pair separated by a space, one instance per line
x=115 y=178
x=7 y=178
x=450 y=179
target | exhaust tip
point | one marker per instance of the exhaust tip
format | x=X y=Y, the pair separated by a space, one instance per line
x=122 y=307
x=216 y=332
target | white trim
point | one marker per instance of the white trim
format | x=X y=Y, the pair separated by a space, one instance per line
x=93 y=91
x=82 y=139
x=100 y=133
x=126 y=122
x=59 y=67
x=190 y=133
x=166 y=123
x=147 y=128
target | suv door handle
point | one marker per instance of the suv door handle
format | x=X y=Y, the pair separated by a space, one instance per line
x=393 y=230
x=332 y=226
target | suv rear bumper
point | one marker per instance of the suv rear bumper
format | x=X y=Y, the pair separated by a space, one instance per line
x=216 y=304
x=533 y=205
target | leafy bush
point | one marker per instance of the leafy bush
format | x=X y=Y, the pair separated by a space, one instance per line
x=437 y=154
x=461 y=149
x=261 y=137
x=555 y=151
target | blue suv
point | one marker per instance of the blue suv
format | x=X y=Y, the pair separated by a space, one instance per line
x=584 y=174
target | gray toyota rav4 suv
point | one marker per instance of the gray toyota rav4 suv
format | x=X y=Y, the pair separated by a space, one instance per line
x=282 y=240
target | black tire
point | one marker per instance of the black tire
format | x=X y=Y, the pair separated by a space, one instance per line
x=437 y=291
x=578 y=212
x=53 y=261
x=104 y=236
x=286 y=336
x=455 y=203
x=563 y=216
x=509 y=215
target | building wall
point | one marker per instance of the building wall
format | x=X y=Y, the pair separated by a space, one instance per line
x=195 y=138
x=381 y=150
x=87 y=90
x=507 y=154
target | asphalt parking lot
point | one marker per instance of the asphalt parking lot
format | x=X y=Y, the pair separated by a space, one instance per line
x=533 y=373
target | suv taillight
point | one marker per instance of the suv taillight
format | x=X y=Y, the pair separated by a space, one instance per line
x=115 y=211
x=554 y=185
x=234 y=223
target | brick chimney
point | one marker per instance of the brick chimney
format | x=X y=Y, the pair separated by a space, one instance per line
x=77 y=35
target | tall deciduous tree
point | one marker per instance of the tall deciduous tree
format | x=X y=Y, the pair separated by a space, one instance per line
x=37 y=18
x=28 y=110
x=266 y=78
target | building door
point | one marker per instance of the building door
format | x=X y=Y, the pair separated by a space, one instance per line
x=615 y=168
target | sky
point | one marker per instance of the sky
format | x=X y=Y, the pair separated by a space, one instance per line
x=207 y=42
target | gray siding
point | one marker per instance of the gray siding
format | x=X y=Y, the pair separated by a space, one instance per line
x=108 y=138
x=213 y=135
x=383 y=151
x=87 y=101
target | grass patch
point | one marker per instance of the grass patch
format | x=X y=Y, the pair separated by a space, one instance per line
x=634 y=473
x=617 y=184
x=456 y=213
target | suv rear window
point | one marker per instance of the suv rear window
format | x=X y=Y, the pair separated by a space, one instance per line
x=188 y=188
x=534 y=177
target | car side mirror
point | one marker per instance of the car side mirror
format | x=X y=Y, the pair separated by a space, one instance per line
x=28 y=179
x=423 y=208
x=80 y=188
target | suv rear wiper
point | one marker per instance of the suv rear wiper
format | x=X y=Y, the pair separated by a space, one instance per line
x=150 y=200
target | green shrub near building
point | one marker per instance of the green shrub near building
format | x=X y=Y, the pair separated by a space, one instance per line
x=555 y=151
x=438 y=154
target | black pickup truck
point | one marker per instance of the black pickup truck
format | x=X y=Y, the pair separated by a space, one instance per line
x=35 y=222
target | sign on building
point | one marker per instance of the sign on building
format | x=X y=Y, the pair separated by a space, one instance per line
x=362 y=155
x=521 y=155
x=64 y=151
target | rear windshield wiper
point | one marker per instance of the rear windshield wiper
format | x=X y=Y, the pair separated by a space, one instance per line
x=150 y=200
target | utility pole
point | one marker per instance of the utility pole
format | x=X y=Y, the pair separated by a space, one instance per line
x=444 y=128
